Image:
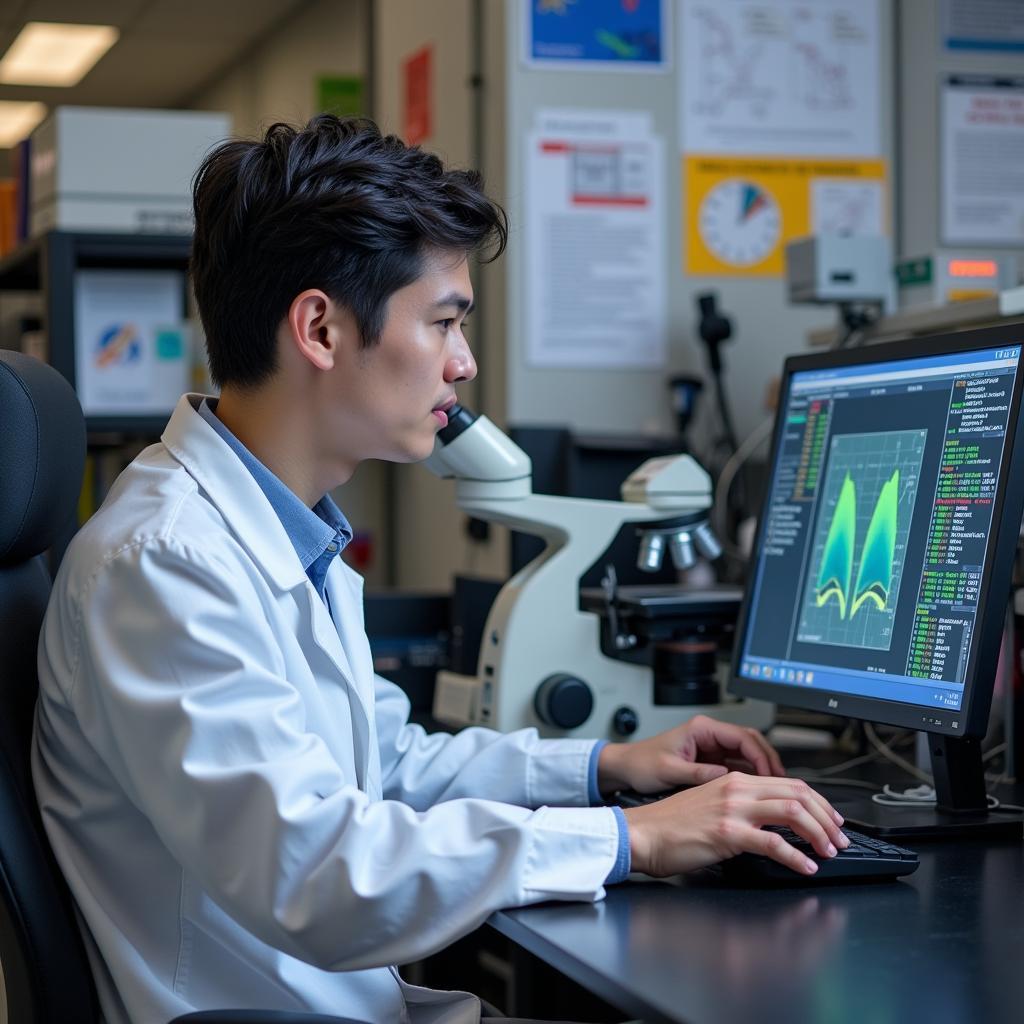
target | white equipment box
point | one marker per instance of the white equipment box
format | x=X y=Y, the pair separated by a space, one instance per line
x=841 y=268
x=103 y=169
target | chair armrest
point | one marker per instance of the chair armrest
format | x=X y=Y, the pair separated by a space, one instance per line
x=259 y=1017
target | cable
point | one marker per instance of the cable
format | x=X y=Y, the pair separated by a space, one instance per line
x=890 y=755
x=924 y=796
x=852 y=763
x=725 y=478
x=852 y=783
x=918 y=796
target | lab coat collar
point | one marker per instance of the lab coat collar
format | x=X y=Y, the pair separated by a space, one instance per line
x=231 y=487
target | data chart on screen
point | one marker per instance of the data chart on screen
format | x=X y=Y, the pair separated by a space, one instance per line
x=868 y=498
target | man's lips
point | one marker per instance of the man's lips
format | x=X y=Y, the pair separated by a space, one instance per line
x=441 y=411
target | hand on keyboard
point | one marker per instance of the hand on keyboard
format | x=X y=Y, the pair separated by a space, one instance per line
x=865 y=859
x=723 y=818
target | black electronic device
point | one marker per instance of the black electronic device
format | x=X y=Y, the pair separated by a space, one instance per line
x=881 y=569
x=681 y=632
x=866 y=859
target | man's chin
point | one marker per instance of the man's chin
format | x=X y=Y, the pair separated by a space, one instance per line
x=414 y=451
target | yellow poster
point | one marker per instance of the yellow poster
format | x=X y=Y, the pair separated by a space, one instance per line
x=740 y=211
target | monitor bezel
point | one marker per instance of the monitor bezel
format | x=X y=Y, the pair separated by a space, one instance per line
x=972 y=717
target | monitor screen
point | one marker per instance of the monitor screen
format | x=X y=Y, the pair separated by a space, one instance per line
x=880 y=529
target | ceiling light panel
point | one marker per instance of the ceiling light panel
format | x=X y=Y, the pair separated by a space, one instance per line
x=54 y=53
x=17 y=119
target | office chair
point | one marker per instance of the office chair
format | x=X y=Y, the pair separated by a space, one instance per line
x=42 y=454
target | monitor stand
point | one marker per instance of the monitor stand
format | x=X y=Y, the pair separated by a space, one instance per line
x=961 y=808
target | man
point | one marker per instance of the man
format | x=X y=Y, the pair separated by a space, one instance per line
x=242 y=811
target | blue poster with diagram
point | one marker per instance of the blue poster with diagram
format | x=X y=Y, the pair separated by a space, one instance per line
x=586 y=34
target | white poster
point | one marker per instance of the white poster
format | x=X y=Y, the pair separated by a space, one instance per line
x=995 y=25
x=782 y=77
x=847 y=207
x=983 y=161
x=596 y=246
x=132 y=349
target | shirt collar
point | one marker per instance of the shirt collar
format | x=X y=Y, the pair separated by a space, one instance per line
x=310 y=530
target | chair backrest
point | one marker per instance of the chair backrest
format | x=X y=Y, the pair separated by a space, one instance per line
x=42 y=454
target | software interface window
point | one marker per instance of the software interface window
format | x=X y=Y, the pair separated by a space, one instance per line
x=870 y=564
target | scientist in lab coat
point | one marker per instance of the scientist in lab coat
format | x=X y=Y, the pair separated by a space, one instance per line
x=241 y=809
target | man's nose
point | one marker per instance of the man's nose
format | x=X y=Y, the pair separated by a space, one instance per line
x=462 y=366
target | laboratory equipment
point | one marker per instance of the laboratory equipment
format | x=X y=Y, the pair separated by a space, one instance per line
x=950 y=275
x=551 y=658
x=841 y=269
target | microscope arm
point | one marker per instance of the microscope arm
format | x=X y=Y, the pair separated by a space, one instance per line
x=540 y=659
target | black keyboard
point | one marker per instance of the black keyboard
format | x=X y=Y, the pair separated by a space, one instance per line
x=865 y=859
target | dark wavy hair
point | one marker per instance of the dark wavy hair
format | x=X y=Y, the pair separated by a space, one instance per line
x=335 y=205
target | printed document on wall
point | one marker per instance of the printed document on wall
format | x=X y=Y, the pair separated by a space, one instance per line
x=983 y=161
x=780 y=77
x=595 y=253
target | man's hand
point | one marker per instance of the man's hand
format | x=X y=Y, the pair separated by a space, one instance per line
x=697 y=751
x=723 y=818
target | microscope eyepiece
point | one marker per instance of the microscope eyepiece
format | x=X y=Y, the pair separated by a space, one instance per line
x=459 y=419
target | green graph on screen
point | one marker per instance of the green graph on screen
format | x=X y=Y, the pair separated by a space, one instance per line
x=867 y=498
x=874 y=574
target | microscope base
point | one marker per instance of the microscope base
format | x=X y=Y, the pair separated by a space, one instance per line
x=461 y=700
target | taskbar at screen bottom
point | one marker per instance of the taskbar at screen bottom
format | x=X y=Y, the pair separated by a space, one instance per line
x=926 y=693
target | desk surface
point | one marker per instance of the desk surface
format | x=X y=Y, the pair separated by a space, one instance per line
x=945 y=944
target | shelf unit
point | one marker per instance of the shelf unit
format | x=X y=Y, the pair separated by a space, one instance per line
x=47 y=264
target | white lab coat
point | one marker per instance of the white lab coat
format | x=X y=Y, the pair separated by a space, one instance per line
x=239 y=805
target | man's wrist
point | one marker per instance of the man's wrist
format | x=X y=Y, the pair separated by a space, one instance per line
x=611 y=768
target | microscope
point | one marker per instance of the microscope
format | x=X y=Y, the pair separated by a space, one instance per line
x=612 y=662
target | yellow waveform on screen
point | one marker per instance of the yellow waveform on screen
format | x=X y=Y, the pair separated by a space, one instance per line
x=874 y=573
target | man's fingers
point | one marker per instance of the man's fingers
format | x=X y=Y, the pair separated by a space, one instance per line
x=715 y=737
x=774 y=761
x=771 y=844
x=776 y=794
x=698 y=774
x=801 y=820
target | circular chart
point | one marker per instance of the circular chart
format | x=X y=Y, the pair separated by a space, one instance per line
x=740 y=222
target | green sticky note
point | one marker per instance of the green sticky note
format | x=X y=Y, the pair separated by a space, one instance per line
x=341 y=95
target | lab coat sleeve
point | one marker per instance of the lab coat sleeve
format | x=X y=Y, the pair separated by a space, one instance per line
x=423 y=769
x=181 y=687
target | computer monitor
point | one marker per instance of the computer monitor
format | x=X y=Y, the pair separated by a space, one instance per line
x=881 y=569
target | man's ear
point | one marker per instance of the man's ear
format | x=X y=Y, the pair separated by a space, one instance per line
x=316 y=325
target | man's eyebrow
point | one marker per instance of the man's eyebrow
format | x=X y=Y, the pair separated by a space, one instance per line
x=458 y=300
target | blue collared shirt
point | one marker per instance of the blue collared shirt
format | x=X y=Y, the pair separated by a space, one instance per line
x=318 y=535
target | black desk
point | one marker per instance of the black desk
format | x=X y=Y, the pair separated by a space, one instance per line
x=944 y=945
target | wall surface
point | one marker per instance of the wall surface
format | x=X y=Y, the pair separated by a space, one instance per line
x=766 y=328
x=277 y=80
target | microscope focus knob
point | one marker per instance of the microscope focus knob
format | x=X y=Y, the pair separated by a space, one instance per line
x=625 y=721
x=563 y=700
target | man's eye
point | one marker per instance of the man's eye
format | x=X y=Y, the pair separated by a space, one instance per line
x=447 y=323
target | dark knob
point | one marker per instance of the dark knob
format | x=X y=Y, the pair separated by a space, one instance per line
x=563 y=701
x=625 y=721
